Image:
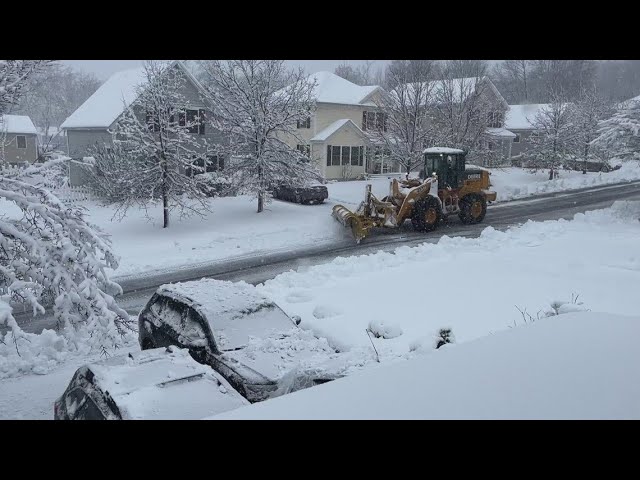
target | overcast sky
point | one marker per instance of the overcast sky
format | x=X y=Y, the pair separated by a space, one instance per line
x=104 y=68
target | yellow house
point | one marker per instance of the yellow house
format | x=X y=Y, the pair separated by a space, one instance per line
x=335 y=133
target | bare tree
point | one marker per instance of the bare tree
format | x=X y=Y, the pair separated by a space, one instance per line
x=463 y=109
x=258 y=104
x=551 y=140
x=364 y=74
x=156 y=149
x=406 y=127
x=52 y=95
x=512 y=79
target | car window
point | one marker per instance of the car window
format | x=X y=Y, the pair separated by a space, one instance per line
x=81 y=407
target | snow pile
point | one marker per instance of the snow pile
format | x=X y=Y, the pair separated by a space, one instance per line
x=572 y=366
x=515 y=183
x=527 y=267
x=40 y=354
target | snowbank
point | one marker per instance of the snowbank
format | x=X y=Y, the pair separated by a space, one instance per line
x=40 y=354
x=515 y=183
x=573 y=366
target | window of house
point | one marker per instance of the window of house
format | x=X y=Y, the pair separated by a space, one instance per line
x=333 y=155
x=357 y=156
x=374 y=121
x=345 y=155
x=494 y=120
x=491 y=145
x=305 y=149
x=195 y=119
x=152 y=121
x=517 y=138
x=21 y=140
x=304 y=123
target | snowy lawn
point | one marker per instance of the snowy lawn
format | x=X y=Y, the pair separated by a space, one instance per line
x=570 y=366
x=470 y=285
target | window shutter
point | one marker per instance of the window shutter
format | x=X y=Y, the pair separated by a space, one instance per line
x=364 y=120
x=328 y=155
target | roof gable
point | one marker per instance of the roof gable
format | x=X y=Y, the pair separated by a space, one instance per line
x=335 y=127
x=120 y=90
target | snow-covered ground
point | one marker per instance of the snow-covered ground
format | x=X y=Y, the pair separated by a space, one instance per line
x=472 y=286
x=233 y=229
x=572 y=366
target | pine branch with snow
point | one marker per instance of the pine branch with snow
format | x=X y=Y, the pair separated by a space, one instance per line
x=257 y=105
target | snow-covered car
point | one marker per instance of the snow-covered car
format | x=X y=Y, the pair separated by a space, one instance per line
x=240 y=333
x=158 y=384
x=308 y=195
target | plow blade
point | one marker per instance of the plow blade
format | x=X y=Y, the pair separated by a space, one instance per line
x=350 y=220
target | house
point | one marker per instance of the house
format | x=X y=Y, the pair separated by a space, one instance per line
x=334 y=135
x=18 y=139
x=54 y=140
x=94 y=121
x=455 y=92
x=520 y=120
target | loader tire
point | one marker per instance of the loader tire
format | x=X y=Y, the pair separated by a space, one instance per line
x=473 y=208
x=426 y=214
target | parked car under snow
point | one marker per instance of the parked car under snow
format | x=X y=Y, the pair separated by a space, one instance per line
x=158 y=384
x=240 y=333
x=308 y=195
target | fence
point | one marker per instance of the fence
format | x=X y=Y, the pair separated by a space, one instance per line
x=71 y=195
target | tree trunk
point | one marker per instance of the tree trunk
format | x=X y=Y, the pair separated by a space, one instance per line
x=165 y=196
x=260 y=200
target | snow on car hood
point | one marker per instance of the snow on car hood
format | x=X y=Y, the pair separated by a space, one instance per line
x=164 y=384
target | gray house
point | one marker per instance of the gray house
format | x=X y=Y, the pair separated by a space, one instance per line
x=18 y=139
x=520 y=120
x=93 y=122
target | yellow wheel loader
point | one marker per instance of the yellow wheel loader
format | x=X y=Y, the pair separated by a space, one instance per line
x=445 y=187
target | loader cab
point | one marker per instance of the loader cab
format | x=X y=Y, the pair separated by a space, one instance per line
x=447 y=163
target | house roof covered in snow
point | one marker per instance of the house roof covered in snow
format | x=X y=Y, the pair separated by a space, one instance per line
x=500 y=132
x=17 y=124
x=120 y=90
x=460 y=88
x=331 y=88
x=521 y=117
x=333 y=128
x=629 y=102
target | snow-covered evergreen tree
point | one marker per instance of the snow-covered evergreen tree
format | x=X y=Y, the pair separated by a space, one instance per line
x=49 y=253
x=585 y=115
x=157 y=152
x=620 y=134
x=257 y=105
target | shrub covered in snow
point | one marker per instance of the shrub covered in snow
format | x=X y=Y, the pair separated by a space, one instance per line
x=380 y=329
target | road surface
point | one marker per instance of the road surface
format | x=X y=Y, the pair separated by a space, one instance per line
x=257 y=269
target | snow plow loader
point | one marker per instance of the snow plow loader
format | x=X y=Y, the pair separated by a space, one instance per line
x=446 y=186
